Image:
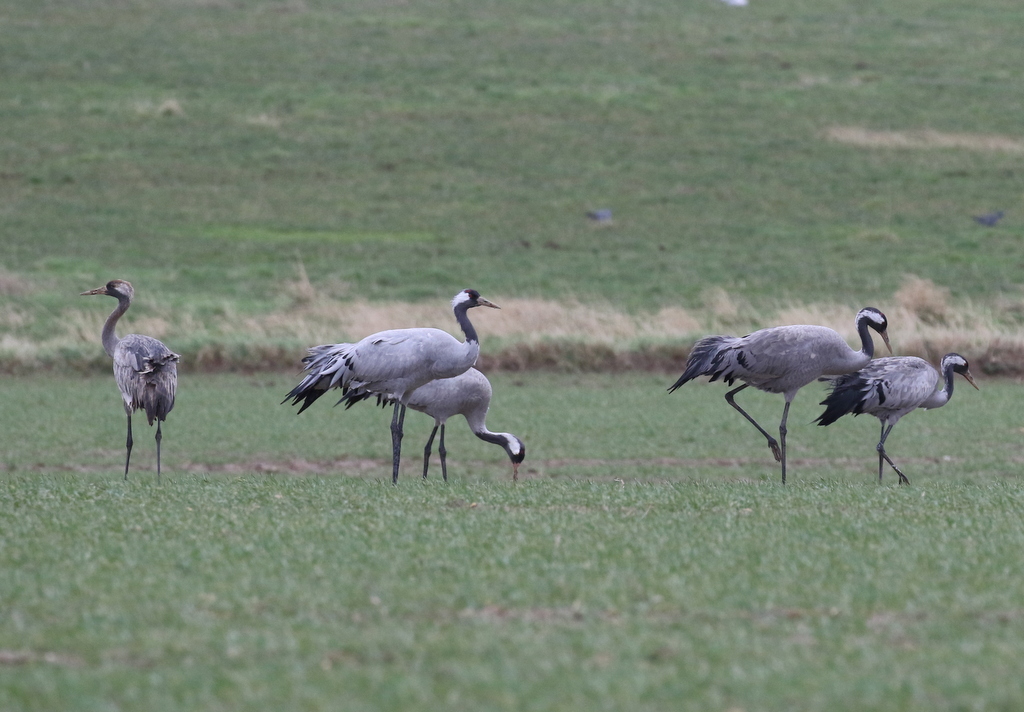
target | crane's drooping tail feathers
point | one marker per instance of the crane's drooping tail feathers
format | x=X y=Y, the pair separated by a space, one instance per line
x=158 y=387
x=705 y=360
x=847 y=396
x=327 y=366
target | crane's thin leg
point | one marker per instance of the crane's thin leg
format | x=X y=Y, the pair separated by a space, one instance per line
x=443 y=453
x=397 y=420
x=426 y=451
x=772 y=442
x=883 y=455
x=159 y=437
x=881 y=458
x=782 y=436
x=128 y=457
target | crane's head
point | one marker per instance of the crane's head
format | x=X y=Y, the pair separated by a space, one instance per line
x=117 y=288
x=959 y=365
x=469 y=298
x=877 y=321
x=516 y=453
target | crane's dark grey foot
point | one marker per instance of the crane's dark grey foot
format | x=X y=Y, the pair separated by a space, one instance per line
x=776 y=450
x=903 y=478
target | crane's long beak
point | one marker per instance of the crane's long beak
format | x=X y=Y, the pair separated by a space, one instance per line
x=885 y=338
x=515 y=471
x=98 y=290
x=484 y=303
x=970 y=379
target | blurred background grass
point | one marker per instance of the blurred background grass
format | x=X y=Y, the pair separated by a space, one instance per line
x=214 y=151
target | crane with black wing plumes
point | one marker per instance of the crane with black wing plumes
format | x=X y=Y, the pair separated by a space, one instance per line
x=469 y=395
x=392 y=363
x=146 y=371
x=889 y=388
x=781 y=359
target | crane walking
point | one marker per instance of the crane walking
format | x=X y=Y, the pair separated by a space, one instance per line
x=393 y=364
x=469 y=395
x=888 y=389
x=146 y=370
x=781 y=359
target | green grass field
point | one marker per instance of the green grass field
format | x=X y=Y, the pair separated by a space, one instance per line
x=276 y=173
x=648 y=559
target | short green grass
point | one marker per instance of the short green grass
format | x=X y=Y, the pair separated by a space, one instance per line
x=649 y=559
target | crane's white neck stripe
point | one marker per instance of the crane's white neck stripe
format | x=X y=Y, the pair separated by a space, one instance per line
x=460 y=298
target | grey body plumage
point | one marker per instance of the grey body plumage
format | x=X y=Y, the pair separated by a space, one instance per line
x=781 y=359
x=392 y=363
x=889 y=388
x=469 y=395
x=146 y=371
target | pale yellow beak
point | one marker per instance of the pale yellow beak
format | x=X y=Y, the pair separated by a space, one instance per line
x=484 y=303
x=885 y=338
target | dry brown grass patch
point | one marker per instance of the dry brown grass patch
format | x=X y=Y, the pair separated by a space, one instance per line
x=923 y=139
x=528 y=334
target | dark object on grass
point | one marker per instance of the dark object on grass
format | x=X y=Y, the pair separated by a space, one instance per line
x=781 y=359
x=146 y=371
x=604 y=215
x=989 y=219
x=889 y=388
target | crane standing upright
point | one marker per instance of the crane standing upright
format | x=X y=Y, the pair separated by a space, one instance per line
x=146 y=370
x=888 y=389
x=393 y=364
x=469 y=395
x=781 y=359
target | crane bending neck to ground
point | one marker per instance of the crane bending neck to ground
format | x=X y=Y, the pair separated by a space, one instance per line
x=781 y=359
x=145 y=369
x=469 y=395
x=393 y=364
x=888 y=389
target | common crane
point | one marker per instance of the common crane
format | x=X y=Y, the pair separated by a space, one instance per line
x=146 y=371
x=469 y=395
x=781 y=359
x=888 y=389
x=392 y=363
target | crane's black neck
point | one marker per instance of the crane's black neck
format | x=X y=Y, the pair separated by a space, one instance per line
x=867 y=344
x=505 y=440
x=108 y=336
x=464 y=323
x=949 y=373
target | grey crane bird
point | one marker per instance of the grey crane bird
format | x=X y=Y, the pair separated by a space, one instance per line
x=781 y=359
x=146 y=371
x=888 y=389
x=392 y=363
x=469 y=395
